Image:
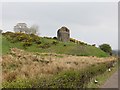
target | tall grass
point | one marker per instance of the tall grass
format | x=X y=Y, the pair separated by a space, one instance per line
x=64 y=79
x=20 y=65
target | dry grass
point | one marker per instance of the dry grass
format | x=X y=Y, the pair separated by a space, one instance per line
x=22 y=64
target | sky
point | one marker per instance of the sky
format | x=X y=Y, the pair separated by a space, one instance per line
x=91 y=22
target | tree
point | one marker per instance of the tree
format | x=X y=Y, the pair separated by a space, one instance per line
x=106 y=48
x=34 y=29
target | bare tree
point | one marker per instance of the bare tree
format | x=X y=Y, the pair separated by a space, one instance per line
x=34 y=29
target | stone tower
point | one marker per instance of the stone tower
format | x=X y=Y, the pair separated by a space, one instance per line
x=63 y=34
x=21 y=27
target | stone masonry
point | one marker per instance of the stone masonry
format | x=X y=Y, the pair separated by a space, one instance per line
x=63 y=34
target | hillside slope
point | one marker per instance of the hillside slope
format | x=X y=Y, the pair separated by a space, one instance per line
x=22 y=69
x=34 y=43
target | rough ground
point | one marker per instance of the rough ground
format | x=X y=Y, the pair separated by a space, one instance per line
x=22 y=64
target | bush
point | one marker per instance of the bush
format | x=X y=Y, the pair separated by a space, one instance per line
x=82 y=43
x=77 y=41
x=54 y=42
x=48 y=37
x=44 y=46
x=94 y=45
x=26 y=44
x=72 y=40
x=64 y=45
x=106 y=48
x=22 y=37
x=35 y=38
x=55 y=38
x=38 y=42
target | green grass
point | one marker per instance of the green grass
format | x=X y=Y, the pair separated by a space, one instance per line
x=60 y=48
x=6 y=45
x=102 y=78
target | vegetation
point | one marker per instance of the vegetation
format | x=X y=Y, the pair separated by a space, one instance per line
x=30 y=61
x=20 y=63
x=102 y=78
x=56 y=78
x=106 y=48
x=77 y=41
x=34 y=29
x=34 y=43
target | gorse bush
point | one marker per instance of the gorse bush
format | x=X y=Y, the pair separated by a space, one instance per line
x=35 y=38
x=77 y=41
x=25 y=44
x=22 y=37
x=26 y=39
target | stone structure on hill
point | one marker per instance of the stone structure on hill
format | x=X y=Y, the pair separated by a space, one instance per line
x=63 y=34
x=21 y=27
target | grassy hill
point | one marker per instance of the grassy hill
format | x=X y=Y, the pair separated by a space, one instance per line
x=30 y=61
x=34 y=43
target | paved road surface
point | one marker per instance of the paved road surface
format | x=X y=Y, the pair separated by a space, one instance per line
x=112 y=82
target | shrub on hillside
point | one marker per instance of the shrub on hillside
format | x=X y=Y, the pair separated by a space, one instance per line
x=38 y=42
x=72 y=40
x=77 y=41
x=7 y=33
x=64 y=45
x=106 y=48
x=48 y=37
x=94 y=45
x=45 y=46
x=82 y=43
x=26 y=44
x=55 y=42
x=35 y=38
x=24 y=37
x=55 y=38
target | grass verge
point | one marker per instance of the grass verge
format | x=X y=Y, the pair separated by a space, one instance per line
x=102 y=78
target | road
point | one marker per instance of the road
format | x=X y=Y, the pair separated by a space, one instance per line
x=112 y=82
